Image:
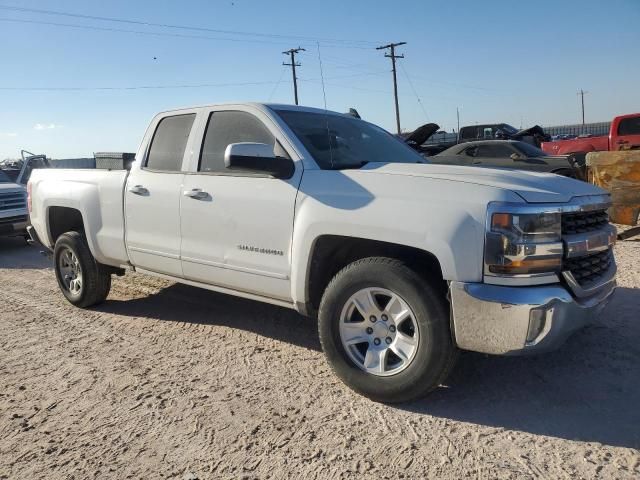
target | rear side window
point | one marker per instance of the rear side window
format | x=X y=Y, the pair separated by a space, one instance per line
x=169 y=142
x=225 y=128
x=493 y=151
x=468 y=133
x=629 y=126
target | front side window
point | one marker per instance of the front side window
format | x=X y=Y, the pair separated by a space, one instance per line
x=169 y=142
x=629 y=126
x=336 y=141
x=225 y=128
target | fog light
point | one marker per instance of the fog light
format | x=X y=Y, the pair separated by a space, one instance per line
x=537 y=321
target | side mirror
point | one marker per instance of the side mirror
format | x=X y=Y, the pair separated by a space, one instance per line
x=257 y=158
x=516 y=157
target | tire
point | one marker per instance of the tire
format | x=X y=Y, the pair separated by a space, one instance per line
x=396 y=378
x=73 y=261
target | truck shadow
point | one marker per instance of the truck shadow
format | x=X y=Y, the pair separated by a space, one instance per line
x=183 y=303
x=589 y=390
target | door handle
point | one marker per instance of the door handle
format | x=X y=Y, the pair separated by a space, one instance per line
x=196 y=193
x=139 y=190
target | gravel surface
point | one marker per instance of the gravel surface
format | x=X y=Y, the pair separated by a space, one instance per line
x=169 y=381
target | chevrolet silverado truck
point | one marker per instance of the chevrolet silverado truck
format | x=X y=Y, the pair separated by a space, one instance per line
x=402 y=262
x=624 y=134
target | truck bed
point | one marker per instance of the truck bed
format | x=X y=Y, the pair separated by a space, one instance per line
x=577 y=145
x=96 y=194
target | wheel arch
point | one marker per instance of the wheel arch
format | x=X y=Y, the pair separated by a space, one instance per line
x=330 y=253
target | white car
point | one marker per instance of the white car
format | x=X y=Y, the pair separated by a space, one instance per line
x=402 y=262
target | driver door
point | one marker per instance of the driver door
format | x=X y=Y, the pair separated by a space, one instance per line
x=237 y=230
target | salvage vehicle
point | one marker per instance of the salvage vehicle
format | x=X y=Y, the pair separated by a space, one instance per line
x=624 y=134
x=402 y=262
x=505 y=154
x=503 y=131
x=429 y=140
x=13 y=208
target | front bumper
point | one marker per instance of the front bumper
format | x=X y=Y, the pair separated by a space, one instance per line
x=520 y=320
x=13 y=226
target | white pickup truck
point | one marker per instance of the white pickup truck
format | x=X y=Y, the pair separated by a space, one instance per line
x=402 y=262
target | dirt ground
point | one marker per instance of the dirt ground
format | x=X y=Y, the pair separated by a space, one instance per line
x=168 y=381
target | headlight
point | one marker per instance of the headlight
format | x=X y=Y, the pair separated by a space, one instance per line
x=523 y=243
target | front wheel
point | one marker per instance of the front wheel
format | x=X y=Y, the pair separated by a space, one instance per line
x=83 y=281
x=385 y=330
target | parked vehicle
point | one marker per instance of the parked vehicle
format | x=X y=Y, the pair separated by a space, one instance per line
x=402 y=262
x=505 y=154
x=428 y=140
x=13 y=208
x=503 y=131
x=624 y=134
x=20 y=170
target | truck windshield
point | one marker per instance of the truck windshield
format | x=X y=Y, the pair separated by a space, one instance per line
x=4 y=178
x=338 y=142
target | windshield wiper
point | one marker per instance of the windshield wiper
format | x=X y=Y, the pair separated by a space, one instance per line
x=349 y=166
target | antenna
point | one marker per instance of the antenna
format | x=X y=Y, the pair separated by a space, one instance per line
x=326 y=115
x=324 y=94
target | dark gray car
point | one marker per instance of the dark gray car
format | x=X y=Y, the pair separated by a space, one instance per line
x=505 y=154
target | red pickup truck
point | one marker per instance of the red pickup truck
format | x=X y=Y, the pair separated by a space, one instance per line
x=623 y=135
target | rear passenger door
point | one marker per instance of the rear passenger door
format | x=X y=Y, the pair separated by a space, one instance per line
x=153 y=194
x=237 y=231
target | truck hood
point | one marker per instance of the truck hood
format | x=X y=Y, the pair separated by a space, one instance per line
x=9 y=187
x=531 y=186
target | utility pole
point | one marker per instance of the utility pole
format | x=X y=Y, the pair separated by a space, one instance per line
x=458 y=116
x=582 y=94
x=293 y=65
x=393 y=56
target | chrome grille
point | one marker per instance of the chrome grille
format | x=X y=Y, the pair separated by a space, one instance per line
x=589 y=268
x=583 y=222
x=12 y=201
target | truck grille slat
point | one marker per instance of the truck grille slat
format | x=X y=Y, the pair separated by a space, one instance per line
x=12 y=201
x=583 y=222
x=586 y=270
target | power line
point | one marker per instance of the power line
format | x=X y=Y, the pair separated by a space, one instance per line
x=138 y=87
x=139 y=32
x=415 y=92
x=292 y=53
x=393 y=56
x=362 y=43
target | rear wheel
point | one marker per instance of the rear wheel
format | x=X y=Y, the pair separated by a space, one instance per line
x=83 y=281
x=385 y=330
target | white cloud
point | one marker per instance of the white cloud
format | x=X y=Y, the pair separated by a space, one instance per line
x=46 y=126
x=8 y=134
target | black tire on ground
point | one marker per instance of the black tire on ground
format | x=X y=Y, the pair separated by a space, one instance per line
x=435 y=355
x=96 y=278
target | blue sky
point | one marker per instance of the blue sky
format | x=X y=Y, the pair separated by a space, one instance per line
x=499 y=61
